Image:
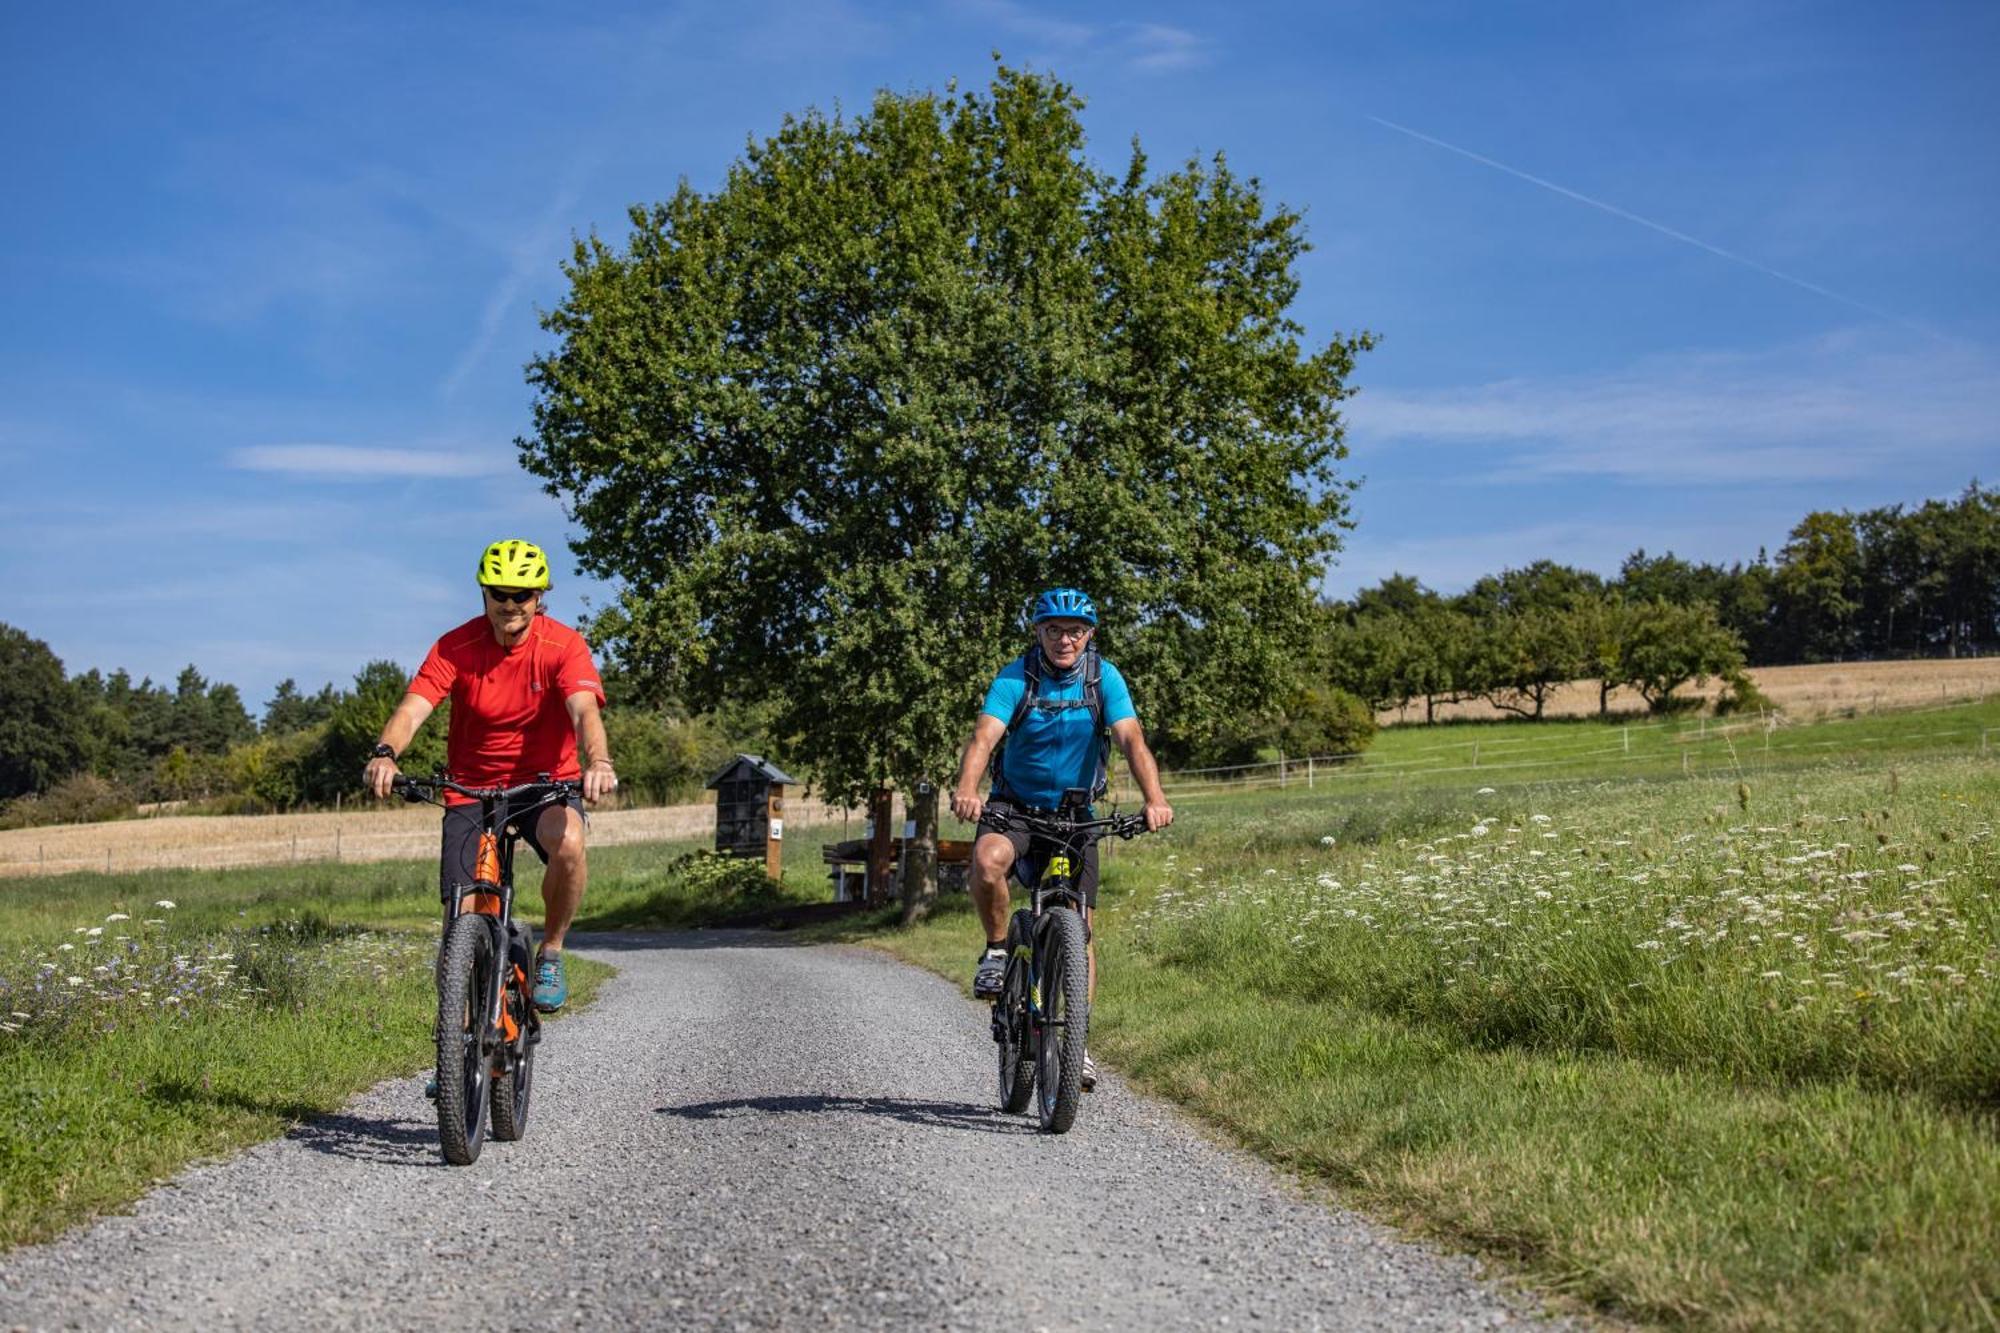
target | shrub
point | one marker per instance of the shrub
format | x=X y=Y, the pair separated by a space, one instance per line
x=1325 y=721
x=81 y=798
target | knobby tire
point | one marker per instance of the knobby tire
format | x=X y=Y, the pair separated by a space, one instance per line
x=1065 y=972
x=513 y=1084
x=464 y=973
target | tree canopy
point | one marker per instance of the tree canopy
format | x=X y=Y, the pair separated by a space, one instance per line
x=831 y=424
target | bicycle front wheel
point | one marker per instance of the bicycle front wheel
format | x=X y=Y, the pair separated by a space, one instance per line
x=465 y=977
x=1065 y=977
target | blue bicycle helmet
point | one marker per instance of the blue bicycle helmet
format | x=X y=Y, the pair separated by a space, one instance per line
x=1064 y=604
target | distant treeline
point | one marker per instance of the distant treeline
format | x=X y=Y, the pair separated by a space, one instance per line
x=94 y=746
x=1883 y=583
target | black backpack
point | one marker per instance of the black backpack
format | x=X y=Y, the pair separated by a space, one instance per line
x=1093 y=698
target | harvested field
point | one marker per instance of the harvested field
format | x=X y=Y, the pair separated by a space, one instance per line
x=392 y=833
x=1801 y=692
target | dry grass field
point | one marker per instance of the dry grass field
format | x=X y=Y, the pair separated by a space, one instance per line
x=370 y=833
x=1800 y=692
x=402 y=832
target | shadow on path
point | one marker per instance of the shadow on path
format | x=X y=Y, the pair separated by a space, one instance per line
x=934 y=1115
x=384 y=1137
x=646 y=941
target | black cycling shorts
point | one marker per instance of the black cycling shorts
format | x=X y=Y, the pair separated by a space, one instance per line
x=458 y=860
x=1031 y=853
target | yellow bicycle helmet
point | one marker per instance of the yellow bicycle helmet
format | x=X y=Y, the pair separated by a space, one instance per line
x=513 y=563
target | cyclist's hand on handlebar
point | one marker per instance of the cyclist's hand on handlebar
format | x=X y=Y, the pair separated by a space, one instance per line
x=967 y=806
x=1158 y=815
x=599 y=780
x=378 y=777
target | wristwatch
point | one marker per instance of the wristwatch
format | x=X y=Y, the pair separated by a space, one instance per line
x=382 y=752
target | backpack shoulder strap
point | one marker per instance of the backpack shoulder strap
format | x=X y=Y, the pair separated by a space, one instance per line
x=1031 y=668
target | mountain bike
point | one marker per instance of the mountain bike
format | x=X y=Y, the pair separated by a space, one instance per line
x=1042 y=1018
x=487 y=1027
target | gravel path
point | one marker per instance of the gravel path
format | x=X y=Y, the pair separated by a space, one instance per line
x=745 y=1133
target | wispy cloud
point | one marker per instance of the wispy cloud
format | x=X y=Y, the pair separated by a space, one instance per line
x=347 y=462
x=1148 y=47
x=534 y=253
x=1837 y=407
x=1157 y=46
x=1661 y=228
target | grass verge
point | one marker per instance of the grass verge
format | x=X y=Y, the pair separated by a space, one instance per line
x=133 y=1045
x=1710 y=1054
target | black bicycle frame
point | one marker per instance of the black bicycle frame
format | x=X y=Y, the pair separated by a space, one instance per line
x=1056 y=885
x=497 y=818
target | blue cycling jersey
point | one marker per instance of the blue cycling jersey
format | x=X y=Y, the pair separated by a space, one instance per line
x=1055 y=747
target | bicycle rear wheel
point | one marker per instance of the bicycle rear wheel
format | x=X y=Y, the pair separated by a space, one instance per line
x=1010 y=1027
x=514 y=1079
x=465 y=974
x=512 y=1085
x=1065 y=975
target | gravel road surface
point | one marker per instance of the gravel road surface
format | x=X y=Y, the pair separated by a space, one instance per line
x=747 y=1133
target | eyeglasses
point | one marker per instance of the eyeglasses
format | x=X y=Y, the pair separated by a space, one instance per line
x=1075 y=634
x=516 y=598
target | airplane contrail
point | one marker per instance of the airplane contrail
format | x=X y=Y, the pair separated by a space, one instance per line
x=1659 y=227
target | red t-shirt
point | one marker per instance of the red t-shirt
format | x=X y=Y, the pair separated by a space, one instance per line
x=509 y=719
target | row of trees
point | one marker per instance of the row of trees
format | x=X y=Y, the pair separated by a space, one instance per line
x=1447 y=650
x=1895 y=581
x=94 y=745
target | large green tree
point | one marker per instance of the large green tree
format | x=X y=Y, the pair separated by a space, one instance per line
x=832 y=423
x=41 y=741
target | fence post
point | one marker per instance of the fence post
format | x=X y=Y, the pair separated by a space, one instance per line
x=107 y=860
x=336 y=844
x=1309 y=772
x=1685 y=768
x=1627 y=730
x=295 y=847
x=1281 y=770
x=1475 y=754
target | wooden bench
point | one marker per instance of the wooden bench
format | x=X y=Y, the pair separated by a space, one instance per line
x=847 y=864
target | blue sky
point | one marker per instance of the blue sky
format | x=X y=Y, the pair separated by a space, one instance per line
x=1662 y=275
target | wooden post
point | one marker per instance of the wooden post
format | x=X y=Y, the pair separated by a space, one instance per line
x=881 y=847
x=774 y=830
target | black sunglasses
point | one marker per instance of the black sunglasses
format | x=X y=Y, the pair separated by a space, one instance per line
x=517 y=598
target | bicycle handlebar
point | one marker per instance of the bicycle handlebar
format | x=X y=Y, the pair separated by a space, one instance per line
x=421 y=788
x=1064 y=828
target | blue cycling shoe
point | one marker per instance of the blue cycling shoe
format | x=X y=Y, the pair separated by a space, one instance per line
x=551 y=983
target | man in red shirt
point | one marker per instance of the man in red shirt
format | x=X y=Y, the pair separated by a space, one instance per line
x=524 y=694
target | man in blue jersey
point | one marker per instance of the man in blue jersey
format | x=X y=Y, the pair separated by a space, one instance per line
x=1051 y=707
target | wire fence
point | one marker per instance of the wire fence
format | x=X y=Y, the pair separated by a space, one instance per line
x=1686 y=745
x=197 y=842
x=1690 y=753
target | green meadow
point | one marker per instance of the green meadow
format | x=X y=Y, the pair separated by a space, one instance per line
x=1700 y=1033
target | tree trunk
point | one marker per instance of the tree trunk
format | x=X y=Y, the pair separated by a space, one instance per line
x=920 y=856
